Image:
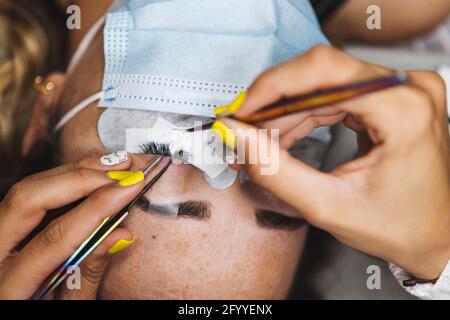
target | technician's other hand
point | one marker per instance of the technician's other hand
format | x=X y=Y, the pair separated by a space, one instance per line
x=23 y=271
x=394 y=200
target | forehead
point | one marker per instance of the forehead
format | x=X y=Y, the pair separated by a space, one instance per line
x=79 y=136
x=166 y=251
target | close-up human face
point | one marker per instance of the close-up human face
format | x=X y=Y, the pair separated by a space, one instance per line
x=225 y=244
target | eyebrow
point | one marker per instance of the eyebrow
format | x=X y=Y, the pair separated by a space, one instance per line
x=199 y=210
x=274 y=220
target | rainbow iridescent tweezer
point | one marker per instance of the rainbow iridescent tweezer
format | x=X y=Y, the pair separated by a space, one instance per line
x=108 y=225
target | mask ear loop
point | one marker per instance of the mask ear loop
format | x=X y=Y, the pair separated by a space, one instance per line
x=82 y=47
x=78 y=108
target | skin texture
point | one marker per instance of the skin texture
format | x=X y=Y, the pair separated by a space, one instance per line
x=226 y=257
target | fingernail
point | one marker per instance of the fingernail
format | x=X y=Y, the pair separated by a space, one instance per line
x=233 y=107
x=120 y=245
x=224 y=133
x=119 y=175
x=114 y=158
x=132 y=179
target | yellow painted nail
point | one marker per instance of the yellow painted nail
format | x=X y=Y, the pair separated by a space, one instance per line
x=119 y=175
x=233 y=107
x=132 y=179
x=224 y=133
x=120 y=245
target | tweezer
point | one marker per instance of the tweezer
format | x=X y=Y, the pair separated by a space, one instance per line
x=108 y=225
x=316 y=99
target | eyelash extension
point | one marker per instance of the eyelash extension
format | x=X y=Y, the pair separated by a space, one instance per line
x=275 y=220
x=163 y=149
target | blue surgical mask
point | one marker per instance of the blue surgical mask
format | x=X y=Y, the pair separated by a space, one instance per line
x=189 y=56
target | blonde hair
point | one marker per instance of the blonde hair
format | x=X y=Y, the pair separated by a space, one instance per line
x=23 y=51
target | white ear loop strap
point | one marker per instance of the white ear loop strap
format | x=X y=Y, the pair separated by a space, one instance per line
x=444 y=72
x=78 y=108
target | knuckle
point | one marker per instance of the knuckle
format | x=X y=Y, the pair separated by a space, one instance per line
x=267 y=82
x=252 y=171
x=53 y=233
x=101 y=196
x=332 y=60
x=16 y=196
x=83 y=175
x=77 y=165
x=323 y=54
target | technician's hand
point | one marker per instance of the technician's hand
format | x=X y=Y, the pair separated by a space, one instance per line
x=394 y=200
x=23 y=271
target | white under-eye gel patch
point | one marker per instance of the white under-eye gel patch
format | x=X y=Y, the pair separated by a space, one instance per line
x=197 y=148
x=113 y=123
x=165 y=210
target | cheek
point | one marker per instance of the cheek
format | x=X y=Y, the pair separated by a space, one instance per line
x=224 y=258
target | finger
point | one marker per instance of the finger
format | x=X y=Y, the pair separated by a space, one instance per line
x=84 y=283
x=290 y=180
x=289 y=122
x=93 y=162
x=28 y=201
x=62 y=237
x=321 y=67
x=354 y=124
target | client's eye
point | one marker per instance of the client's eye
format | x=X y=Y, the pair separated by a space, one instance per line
x=274 y=220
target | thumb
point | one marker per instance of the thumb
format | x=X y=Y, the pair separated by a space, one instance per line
x=85 y=280
x=292 y=181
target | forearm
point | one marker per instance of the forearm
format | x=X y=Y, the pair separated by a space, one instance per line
x=400 y=20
